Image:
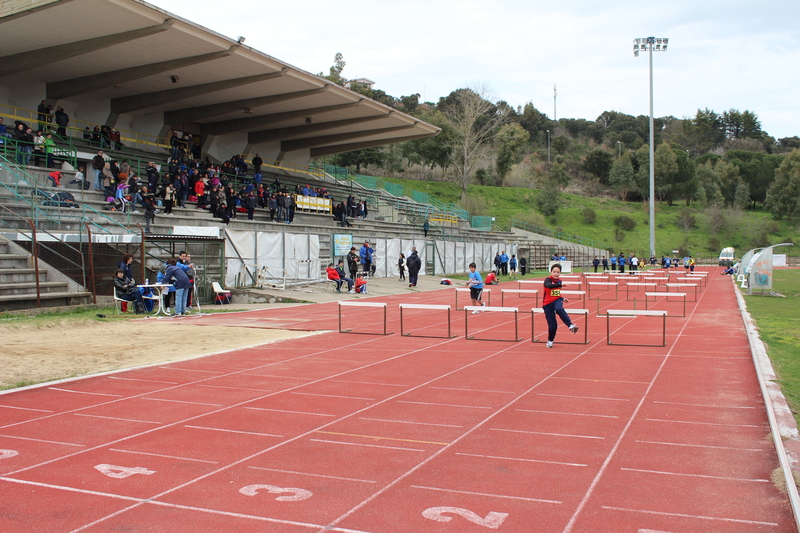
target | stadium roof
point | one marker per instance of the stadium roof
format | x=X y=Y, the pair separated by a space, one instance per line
x=132 y=58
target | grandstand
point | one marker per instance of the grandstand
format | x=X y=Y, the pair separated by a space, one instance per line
x=159 y=87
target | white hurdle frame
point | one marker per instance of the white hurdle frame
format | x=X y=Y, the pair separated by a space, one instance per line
x=429 y=307
x=602 y=284
x=666 y=296
x=628 y=292
x=634 y=313
x=351 y=303
x=488 y=293
x=679 y=285
x=584 y=312
x=518 y=291
x=582 y=294
x=514 y=310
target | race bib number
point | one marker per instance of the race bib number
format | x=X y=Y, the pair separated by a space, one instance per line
x=555 y=292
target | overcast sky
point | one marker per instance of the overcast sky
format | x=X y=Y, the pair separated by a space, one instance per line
x=734 y=54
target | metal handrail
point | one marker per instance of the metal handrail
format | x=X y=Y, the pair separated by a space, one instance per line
x=560 y=235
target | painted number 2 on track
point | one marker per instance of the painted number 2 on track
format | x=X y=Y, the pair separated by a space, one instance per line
x=492 y=520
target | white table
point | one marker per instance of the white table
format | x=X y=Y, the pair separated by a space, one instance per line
x=159 y=287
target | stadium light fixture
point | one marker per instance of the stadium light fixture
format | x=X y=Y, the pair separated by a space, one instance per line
x=651 y=44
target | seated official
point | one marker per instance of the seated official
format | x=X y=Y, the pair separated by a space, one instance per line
x=126 y=289
x=343 y=276
x=491 y=278
x=333 y=275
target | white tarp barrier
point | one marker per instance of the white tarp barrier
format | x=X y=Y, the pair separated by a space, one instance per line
x=249 y=251
x=196 y=231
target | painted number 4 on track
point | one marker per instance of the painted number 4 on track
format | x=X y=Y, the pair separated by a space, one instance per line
x=492 y=520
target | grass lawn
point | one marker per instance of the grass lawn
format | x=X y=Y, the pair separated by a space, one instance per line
x=778 y=321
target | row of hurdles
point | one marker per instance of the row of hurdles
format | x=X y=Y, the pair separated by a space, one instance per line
x=696 y=281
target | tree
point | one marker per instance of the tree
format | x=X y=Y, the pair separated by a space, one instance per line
x=549 y=199
x=560 y=144
x=474 y=122
x=510 y=139
x=336 y=69
x=558 y=175
x=433 y=151
x=708 y=182
x=742 y=197
x=621 y=177
x=359 y=158
x=534 y=121
x=684 y=182
x=666 y=166
x=599 y=162
x=641 y=164
x=410 y=103
x=783 y=197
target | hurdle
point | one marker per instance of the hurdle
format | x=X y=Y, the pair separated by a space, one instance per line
x=353 y=303
x=602 y=284
x=634 y=313
x=691 y=279
x=518 y=291
x=468 y=308
x=679 y=285
x=571 y=277
x=585 y=312
x=572 y=284
x=582 y=294
x=628 y=292
x=666 y=296
x=529 y=282
x=487 y=292
x=702 y=278
x=428 y=307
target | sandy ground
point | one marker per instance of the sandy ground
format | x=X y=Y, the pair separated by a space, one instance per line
x=37 y=351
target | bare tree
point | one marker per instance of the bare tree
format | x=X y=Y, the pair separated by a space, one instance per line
x=475 y=121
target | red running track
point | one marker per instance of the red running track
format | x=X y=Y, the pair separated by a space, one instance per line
x=390 y=434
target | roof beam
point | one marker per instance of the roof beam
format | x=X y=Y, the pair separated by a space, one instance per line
x=300 y=144
x=137 y=102
x=23 y=61
x=244 y=124
x=213 y=110
x=340 y=148
x=256 y=137
x=85 y=84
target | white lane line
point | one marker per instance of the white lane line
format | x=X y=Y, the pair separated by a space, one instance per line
x=415 y=423
x=583 y=397
x=287 y=411
x=310 y=474
x=279 y=377
x=234 y=431
x=700 y=517
x=369 y=383
x=165 y=456
x=234 y=388
x=332 y=396
x=145 y=380
x=367 y=445
x=706 y=405
x=545 y=433
x=84 y=392
x=193 y=370
x=117 y=418
x=703 y=423
x=694 y=475
x=45 y=441
x=519 y=459
x=27 y=409
x=476 y=390
x=445 y=404
x=700 y=446
x=486 y=494
x=70 y=489
x=183 y=401
x=561 y=413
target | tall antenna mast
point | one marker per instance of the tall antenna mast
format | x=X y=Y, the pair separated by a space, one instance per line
x=555 y=93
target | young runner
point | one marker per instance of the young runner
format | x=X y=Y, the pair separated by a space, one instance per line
x=475 y=284
x=553 y=304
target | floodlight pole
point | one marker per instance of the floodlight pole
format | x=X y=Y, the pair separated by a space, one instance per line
x=650 y=43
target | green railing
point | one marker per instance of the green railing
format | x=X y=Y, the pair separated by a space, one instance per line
x=577 y=239
x=481 y=223
x=23 y=152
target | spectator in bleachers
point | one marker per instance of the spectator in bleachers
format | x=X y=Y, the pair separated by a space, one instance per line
x=343 y=276
x=175 y=144
x=87 y=135
x=272 y=202
x=365 y=255
x=97 y=137
x=62 y=121
x=42 y=114
x=257 y=162
x=38 y=148
x=290 y=207
x=152 y=176
x=108 y=179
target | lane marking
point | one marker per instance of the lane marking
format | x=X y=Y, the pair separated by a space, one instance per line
x=700 y=446
x=445 y=404
x=694 y=475
x=604 y=380
x=560 y=413
x=332 y=396
x=583 y=397
x=706 y=405
x=415 y=423
x=382 y=438
x=27 y=409
x=234 y=388
x=519 y=459
x=192 y=369
x=145 y=380
x=280 y=377
x=310 y=474
x=367 y=445
x=234 y=431
x=117 y=418
x=42 y=440
x=183 y=401
x=476 y=390
x=287 y=411
x=701 y=517
x=545 y=433
x=702 y=423
x=84 y=392
x=165 y=456
x=540 y=500
x=369 y=383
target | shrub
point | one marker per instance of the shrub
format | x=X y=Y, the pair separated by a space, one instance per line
x=624 y=222
x=549 y=201
x=714 y=244
x=589 y=215
x=619 y=234
x=686 y=220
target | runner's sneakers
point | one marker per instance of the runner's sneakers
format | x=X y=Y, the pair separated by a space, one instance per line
x=549 y=344
x=573 y=328
x=475 y=312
